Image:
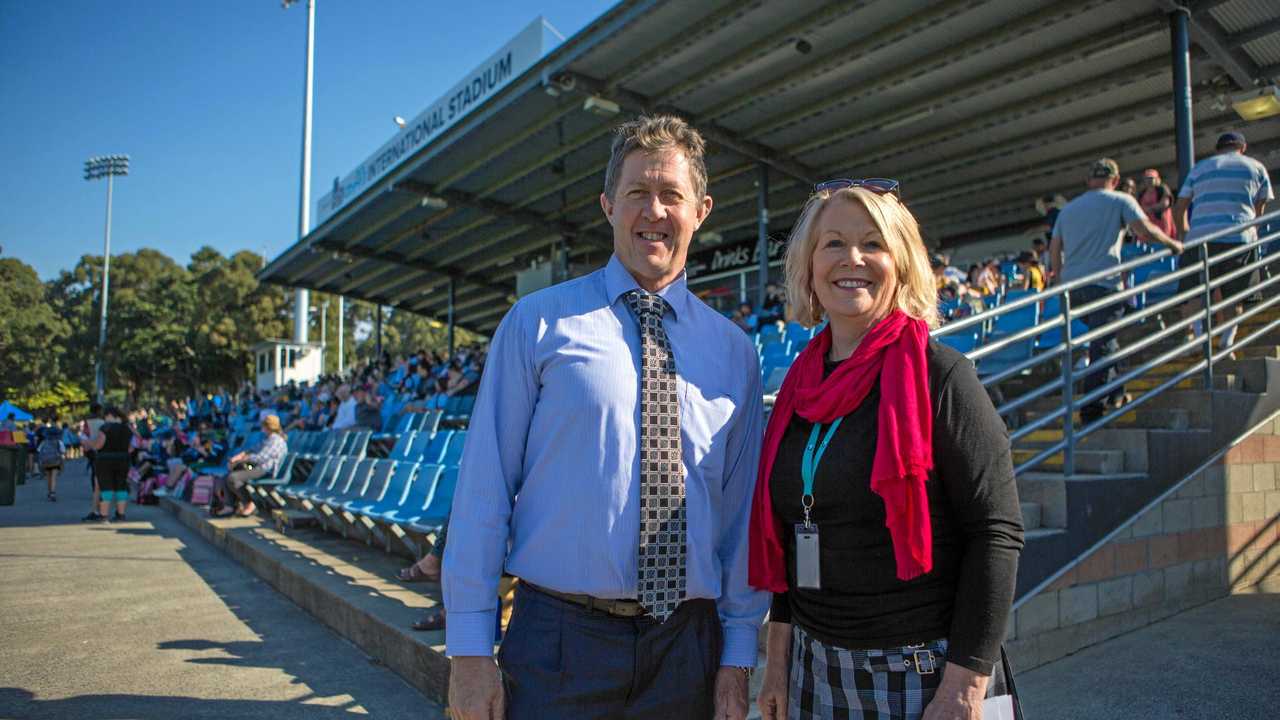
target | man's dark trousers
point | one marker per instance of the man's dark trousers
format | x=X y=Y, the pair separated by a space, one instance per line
x=1100 y=348
x=561 y=660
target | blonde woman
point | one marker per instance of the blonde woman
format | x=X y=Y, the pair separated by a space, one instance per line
x=885 y=518
x=264 y=462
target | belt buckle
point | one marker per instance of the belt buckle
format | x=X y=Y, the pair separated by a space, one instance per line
x=921 y=666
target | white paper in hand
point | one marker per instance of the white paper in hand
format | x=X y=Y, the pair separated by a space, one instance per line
x=999 y=707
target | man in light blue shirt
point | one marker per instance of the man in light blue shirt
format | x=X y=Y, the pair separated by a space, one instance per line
x=567 y=443
x=1221 y=191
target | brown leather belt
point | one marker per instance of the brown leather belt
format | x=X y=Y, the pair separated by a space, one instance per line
x=616 y=608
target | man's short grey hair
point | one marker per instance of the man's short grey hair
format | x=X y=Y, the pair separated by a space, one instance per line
x=652 y=133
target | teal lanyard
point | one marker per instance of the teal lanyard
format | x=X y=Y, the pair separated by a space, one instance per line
x=813 y=451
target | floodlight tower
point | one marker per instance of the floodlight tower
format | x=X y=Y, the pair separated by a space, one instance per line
x=301 y=298
x=96 y=168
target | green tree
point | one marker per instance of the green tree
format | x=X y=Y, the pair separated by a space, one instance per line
x=31 y=332
x=233 y=312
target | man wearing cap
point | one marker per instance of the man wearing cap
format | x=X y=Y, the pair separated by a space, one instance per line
x=609 y=464
x=1086 y=240
x=1222 y=191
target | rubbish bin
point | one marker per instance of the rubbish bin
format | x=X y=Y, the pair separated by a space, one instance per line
x=13 y=465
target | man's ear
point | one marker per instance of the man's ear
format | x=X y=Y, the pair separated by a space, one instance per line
x=607 y=206
x=704 y=210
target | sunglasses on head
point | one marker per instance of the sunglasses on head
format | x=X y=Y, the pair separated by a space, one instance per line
x=879 y=186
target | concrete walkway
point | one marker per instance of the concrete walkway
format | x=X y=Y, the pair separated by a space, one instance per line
x=1215 y=661
x=144 y=619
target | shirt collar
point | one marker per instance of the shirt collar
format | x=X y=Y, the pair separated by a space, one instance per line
x=618 y=280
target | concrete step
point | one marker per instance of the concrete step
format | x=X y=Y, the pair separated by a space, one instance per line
x=1086 y=461
x=1030 y=515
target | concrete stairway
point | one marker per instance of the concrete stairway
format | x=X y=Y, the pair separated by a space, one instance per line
x=1120 y=467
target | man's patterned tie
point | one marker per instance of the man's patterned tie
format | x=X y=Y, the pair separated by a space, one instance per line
x=661 y=584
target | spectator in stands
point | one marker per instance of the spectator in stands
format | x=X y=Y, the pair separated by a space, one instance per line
x=775 y=304
x=1086 y=241
x=248 y=466
x=563 y=459
x=368 y=409
x=1049 y=206
x=1040 y=247
x=745 y=318
x=1129 y=187
x=111 y=444
x=916 y=500
x=1228 y=188
x=939 y=267
x=990 y=279
x=345 y=418
x=1032 y=273
x=1156 y=200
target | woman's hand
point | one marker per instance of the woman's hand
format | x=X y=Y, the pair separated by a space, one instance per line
x=772 y=700
x=959 y=697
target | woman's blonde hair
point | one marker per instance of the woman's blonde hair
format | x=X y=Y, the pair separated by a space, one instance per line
x=917 y=292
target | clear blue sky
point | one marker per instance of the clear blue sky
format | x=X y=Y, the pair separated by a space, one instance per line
x=206 y=98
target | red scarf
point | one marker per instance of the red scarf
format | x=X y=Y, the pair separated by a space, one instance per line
x=893 y=352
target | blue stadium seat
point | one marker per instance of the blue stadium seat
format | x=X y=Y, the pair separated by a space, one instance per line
x=373 y=488
x=398 y=487
x=1052 y=308
x=322 y=476
x=963 y=342
x=453 y=451
x=1019 y=319
x=798 y=336
x=1006 y=358
x=430 y=448
x=415 y=499
x=351 y=483
x=400 y=451
x=438 y=505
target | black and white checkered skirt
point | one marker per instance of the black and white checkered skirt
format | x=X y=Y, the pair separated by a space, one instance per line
x=833 y=683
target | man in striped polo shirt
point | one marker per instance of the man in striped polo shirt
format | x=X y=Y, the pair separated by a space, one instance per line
x=1222 y=191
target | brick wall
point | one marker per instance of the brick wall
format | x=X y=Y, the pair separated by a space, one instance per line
x=1220 y=533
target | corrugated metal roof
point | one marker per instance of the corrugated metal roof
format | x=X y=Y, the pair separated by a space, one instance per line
x=977 y=106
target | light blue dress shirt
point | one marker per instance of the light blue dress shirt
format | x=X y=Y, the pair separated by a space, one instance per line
x=549 y=485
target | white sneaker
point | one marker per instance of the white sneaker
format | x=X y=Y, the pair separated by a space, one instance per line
x=1082 y=363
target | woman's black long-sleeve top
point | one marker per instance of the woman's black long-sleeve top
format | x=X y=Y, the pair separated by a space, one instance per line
x=973 y=508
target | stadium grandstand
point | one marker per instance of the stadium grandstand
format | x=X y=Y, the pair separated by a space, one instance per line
x=979 y=108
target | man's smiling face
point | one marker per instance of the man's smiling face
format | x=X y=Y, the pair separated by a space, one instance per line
x=654 y=213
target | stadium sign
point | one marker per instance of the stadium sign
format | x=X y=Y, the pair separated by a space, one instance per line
x=508 y=63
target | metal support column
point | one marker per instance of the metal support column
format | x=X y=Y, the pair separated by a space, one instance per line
x=1184 y=132
x=762 y=236
x=342 y=313
x=378 y=324
x=452 y=298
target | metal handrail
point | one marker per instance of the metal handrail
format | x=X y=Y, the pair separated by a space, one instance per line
x=1065 y=350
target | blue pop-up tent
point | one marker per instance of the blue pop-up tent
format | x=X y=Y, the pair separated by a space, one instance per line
x=7 y=408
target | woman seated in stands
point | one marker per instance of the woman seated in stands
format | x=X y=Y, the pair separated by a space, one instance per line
x=247 y=466
x=886 y=443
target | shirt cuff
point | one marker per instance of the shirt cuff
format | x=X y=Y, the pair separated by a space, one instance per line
x=739 y=646
x=468 y=634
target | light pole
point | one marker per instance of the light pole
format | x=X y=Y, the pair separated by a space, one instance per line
x=95 y=168
x=301 y=300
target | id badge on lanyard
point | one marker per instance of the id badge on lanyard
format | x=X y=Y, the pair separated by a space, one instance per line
x=808 y=549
